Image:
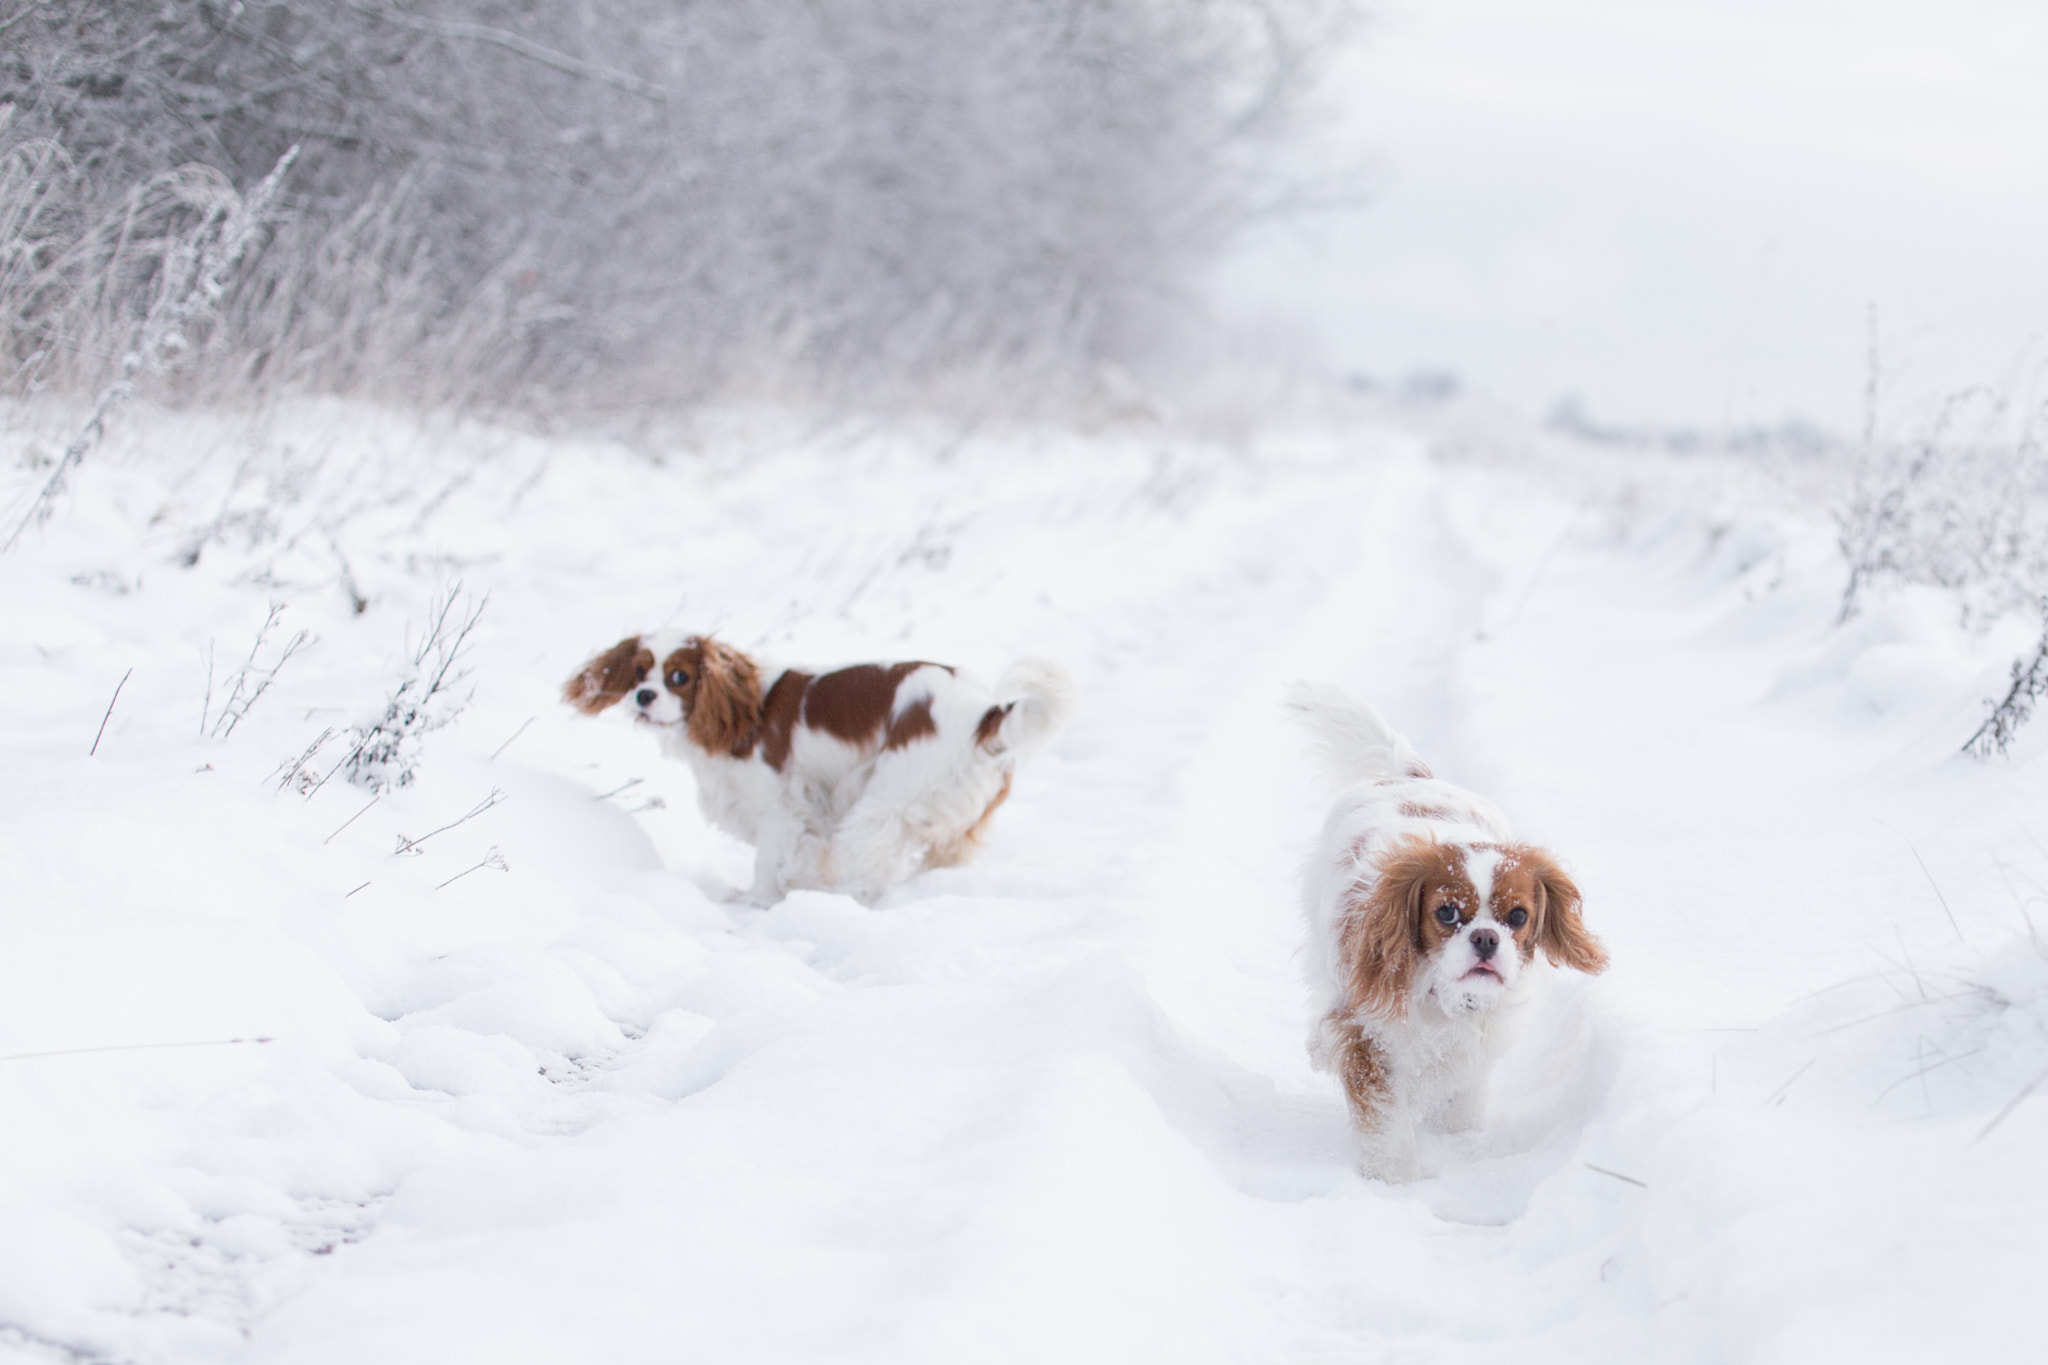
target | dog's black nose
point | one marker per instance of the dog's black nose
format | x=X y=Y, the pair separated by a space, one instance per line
x=1484 y=943
x=646 y=696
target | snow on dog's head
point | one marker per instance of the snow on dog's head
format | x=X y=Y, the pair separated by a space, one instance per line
x=1459 y=922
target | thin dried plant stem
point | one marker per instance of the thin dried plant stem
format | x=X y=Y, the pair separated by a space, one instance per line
x=110 y=713
x=130 y=1047
x=353 y=818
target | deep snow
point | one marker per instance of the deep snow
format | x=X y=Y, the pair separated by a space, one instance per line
x=1054 y=1105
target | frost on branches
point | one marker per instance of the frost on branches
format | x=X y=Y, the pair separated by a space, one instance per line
x=387 y=750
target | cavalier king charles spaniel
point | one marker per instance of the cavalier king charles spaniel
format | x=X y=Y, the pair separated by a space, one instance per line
x=848 y=780
x=1425 y=924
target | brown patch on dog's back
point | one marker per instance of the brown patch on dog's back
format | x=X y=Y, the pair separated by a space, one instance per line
x=779 y=715
x=609 y=677
x=913 y=723
x=991 y=724
x=854 y=703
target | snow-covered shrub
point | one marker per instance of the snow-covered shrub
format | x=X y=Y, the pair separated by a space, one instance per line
x=1956 y=506
x=385 y=750
x=1960 y=506
x=2016 y=707
x=626 y=198
x=138 y=286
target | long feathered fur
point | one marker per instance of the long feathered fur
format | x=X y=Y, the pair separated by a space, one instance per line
x=1350 y=741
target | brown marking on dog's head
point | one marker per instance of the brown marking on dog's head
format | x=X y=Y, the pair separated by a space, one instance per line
x=1382 y=934
x=720 y=689
x=1553 y=901
x=607 y=678
x=1531 y=897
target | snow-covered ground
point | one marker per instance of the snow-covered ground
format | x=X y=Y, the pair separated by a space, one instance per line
x=1051 y=1106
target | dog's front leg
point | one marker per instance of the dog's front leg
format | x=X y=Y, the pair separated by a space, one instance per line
x=788 y=854
x=1467 y=1108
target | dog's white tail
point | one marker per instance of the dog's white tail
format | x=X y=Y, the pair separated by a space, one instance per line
x=1353 y=742
x=1033 y=700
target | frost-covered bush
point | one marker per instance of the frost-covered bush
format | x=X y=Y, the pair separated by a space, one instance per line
x=1963 y=505
x=385 y=749
x=1957 y=506
x=624 y=198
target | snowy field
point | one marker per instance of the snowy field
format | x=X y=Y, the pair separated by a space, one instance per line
x=1053 y=1106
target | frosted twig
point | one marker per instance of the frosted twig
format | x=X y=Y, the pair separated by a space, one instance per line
x=110 y=713
x=299 y=764
x=1536 y=574
x=2029 y=681
x=1778 y=1095
x=1921 y=1003
x=493 y=859
x=515 y=734
x=353 y=818
x=1930 y=878
x=206 y=706
x=1927 y=1067
x=128 y=1047
x=406 y=845
x=353 y=892
x=237 y=705
x=2029 y=1088
x=1642 y=1184
x=623 y=786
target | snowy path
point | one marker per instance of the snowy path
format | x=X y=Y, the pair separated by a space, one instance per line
x=1050 y=1106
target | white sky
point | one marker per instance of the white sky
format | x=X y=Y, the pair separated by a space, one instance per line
x=1683 y=212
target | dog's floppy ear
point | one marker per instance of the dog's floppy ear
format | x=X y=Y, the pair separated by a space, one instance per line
x=1561 y=933
x=1381 y=932
x=725 y=712
x=609 y=677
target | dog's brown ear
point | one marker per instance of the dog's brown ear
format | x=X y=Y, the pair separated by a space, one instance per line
x=725 y=713
x=1561 y=933
x=609 y=677
x=1380 y=934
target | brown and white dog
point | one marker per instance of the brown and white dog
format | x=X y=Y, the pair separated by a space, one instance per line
x=1427 y=922
x=847 y=780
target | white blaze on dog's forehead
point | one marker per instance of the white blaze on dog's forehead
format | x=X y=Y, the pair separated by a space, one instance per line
x=1482 y=865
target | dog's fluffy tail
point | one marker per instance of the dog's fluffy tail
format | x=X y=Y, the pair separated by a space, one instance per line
x=1034 y=697
x=1352 y=742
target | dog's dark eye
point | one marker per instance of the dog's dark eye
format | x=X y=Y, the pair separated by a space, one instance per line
x=1517 y=917
x=1447 y=914
x=676 y=677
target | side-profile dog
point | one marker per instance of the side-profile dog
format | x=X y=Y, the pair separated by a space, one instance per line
x=1425 y=922
x=847 y=780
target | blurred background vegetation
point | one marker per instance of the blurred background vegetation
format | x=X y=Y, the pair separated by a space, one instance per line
x=557 y=205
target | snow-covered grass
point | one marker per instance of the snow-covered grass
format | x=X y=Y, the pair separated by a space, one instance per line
x=535 y=1088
